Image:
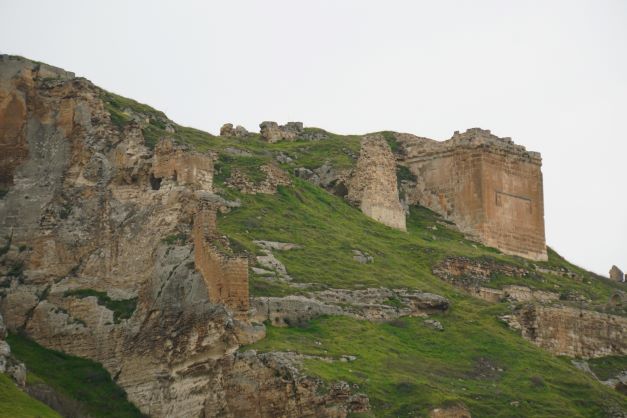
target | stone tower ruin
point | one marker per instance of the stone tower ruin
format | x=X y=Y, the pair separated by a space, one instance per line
x=489 y=186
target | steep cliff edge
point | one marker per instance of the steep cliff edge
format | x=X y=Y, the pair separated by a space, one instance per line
x=157 y=249
x=105 y=256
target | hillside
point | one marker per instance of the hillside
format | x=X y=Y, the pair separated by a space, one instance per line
x=255 y=274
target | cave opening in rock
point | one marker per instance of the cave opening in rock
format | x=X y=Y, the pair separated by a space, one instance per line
x=155 y=182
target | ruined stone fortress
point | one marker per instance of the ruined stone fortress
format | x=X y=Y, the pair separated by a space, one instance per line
x=489 y=186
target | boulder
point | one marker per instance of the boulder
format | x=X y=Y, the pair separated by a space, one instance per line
x=362 y=258
x=432 y=323
x=238 y=132
x=273 y=132
x=226 y=129
x=450 y=411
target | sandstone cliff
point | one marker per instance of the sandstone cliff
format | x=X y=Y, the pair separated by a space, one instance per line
x=158 y=250
x=111 y=253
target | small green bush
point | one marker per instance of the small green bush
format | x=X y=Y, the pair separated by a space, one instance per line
x=122 y=309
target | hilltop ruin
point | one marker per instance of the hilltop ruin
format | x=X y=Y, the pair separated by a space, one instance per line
x=489 y=186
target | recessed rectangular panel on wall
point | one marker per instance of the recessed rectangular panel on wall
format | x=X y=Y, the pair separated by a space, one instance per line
x=516 y=206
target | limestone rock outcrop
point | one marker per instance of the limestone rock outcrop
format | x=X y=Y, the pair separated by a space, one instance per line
x=474 y=276
x=237 y=132
x=570 y=331
x=273 y=132
x=372 y=186
x=273 y=177
x=109 y=251
x=376 y=304
x=490 y=187
x=8 y=364
x=458 y=410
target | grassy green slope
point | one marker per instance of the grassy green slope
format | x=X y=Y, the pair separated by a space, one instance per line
x=329 y=228
x=78 y=379
x=16 y=403
x=403 y=366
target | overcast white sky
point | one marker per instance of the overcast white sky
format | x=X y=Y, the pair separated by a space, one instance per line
x=550 y=74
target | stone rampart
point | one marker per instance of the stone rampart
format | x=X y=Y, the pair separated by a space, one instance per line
x=183 y=166
x=373 y=186
x=226 y=277
x=490 y=187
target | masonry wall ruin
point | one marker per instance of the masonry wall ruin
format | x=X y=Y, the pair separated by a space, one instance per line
x=226 y=277
x=490 y=187
x=186 y=167
x=372 y=185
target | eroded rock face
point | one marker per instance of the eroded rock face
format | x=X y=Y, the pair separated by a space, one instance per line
x=237 y=132
x=92 y=215
x=571 y=332
x=376 y=304
x=8 y=364
x=273 y=132
x=473 y=276
x=372 y=185
x=257 y=383
x=490 y=187
x=273 y=177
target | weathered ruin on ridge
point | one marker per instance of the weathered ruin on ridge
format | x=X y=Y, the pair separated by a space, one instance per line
x=489 y=186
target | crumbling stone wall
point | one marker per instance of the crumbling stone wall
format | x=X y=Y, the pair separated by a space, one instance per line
x=273 y=132
x=372 y=185
x=238 y=132
x=616 y=274
x=226 y=277
x=183 y=166
x=274 y=177
x=490 y=187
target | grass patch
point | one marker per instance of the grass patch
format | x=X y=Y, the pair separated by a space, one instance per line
x=391 y=140
x=175 y=239
x=406 y=369
x=16 y=403
x=16 y=269
x=608 y=367
x=80 y=379
x=122 y=309
x=431 y=368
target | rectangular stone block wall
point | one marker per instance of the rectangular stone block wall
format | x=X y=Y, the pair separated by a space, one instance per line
x=513 y=202
x=226 y=277
x=493 y=196
x=185 y=167
x=450 y=184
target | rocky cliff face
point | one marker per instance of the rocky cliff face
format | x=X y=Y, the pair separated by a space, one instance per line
x=111 y=253
x=109 y=249
x=570 y=331
x=540 y=315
